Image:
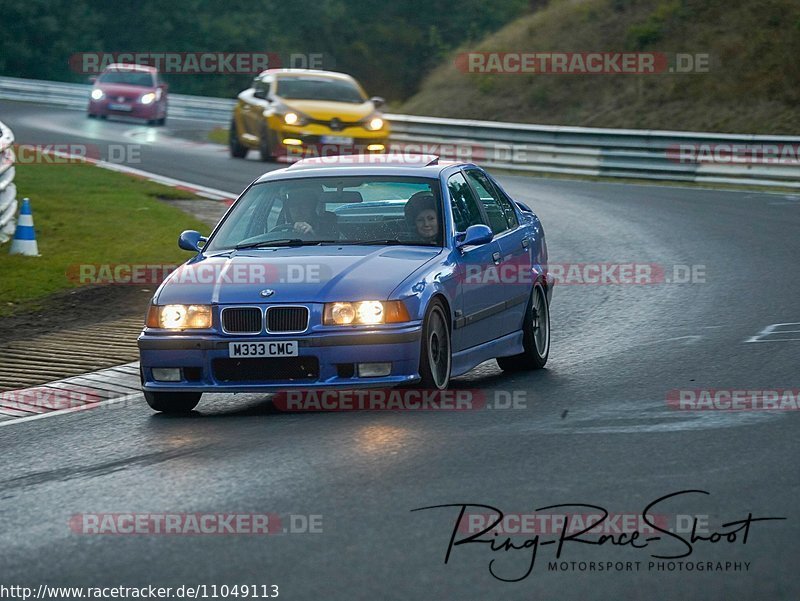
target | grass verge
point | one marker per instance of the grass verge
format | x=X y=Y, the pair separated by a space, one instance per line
x=86 y=215
x=218 y=135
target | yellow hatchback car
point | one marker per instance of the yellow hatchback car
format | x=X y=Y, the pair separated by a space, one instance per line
x=299 y=113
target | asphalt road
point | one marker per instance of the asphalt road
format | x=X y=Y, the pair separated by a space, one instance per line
x=595 y=427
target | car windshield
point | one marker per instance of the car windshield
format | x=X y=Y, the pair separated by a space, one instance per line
x=129 y=78
x=377 y=210
x=309 y=88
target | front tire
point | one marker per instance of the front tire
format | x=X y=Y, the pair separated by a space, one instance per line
x=265 y=146
x=238 y=150
x=172 y=402
x=435 y=361
x=536 y=336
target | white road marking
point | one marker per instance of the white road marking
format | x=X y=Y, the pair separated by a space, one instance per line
x=691 y=339
x=772 y=330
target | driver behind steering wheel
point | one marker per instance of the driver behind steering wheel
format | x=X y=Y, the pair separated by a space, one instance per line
x=305 y=213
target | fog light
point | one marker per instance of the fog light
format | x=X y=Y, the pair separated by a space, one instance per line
x=167 y=374
x=374 y=370
x=376 y=148
x=292 y=142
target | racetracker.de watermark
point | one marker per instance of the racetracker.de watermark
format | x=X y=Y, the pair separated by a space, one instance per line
x=203 y=274
x=199 y=63
x=582 y=63
x=734 y=399
x=70 y=153
x=42 y=399
x=194 y=524
x=727 y=153
x=400 y=399
x=546 y=523
x=514 y=272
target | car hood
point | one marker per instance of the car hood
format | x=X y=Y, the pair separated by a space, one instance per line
x=305 y=274
x=327 y=109
x=119 y=89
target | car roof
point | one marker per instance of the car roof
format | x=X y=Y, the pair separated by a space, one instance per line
x=129 y=67
x=311 y=72
x=426 y=165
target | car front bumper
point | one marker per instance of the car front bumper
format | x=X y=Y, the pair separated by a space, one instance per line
x=206 y=367
x=135 y=110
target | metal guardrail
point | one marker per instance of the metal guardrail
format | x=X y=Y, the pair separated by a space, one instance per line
x=76 y=96
x=613 y=153
x=8 y=191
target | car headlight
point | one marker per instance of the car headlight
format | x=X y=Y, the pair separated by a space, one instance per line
x=295 y=118
x=364 y=313
x=97 y=94
x=179 y=317
x=148 y=98
x=375 y=124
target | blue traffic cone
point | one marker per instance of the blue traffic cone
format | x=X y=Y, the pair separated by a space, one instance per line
x=24 y=242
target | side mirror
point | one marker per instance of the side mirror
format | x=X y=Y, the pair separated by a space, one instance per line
x=377 y=101
x=475 y=236
x=93 y=79
x=191 y=240
x=262 y=94
x=163 y=86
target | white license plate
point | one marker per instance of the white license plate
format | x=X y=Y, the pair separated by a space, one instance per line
x=283 y=348
x=120 y=107
x=335 y=140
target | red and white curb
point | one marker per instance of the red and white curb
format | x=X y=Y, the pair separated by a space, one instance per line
x=104 y=388
x=203 y=191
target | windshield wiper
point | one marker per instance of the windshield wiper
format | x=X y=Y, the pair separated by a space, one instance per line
x=385 y=241
x=280 y=242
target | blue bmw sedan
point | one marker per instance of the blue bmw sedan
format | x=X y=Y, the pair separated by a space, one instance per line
x=351 y=272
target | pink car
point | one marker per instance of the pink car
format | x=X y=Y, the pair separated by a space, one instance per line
x=129 y=91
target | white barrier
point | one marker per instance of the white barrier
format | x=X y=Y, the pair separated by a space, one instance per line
x=8 y=191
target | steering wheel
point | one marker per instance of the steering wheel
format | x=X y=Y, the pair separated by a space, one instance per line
x=282 y=227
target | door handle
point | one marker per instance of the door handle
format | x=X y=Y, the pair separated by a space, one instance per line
x=525 y=243
x=496 y=258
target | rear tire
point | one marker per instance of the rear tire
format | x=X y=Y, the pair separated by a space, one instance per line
x=436 y=358
x=238 y=150
x=172 y=402
x=536 y=336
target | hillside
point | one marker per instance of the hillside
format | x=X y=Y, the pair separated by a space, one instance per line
x=752 y=83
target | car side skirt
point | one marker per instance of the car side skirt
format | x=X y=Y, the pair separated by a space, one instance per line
x=463 y=361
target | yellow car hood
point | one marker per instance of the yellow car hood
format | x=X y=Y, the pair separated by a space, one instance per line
x=327 y=110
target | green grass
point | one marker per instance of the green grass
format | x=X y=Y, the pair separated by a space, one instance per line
x=751 y=85
x=83 y=214
x=218 y=135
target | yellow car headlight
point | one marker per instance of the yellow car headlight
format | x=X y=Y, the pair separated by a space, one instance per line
x=364 y=313
x=375 y=124
x=291 y=118
x=179 y=317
